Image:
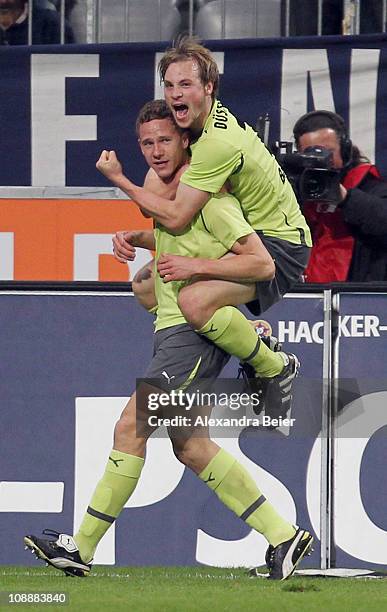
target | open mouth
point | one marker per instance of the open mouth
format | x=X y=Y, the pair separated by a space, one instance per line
x=181 y=110
x=160 y=165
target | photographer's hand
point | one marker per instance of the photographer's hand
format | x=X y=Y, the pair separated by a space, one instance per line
x=343 y=192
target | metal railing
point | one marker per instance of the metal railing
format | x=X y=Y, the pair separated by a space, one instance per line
x=31 y=8
x=90 y=16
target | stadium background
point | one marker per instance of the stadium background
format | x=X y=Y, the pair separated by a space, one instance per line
x=62 y=375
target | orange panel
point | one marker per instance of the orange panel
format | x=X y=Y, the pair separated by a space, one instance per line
x=44 y=233
x=110 y=269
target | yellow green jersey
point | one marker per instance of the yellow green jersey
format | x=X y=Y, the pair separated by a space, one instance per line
x=209 y=235
x=229 y=150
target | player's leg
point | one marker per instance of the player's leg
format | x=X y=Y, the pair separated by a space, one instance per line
x=210 y=307
x=290 y=261
x=234 y=486
x=123 y=470
x=74 y=555
x=143 y=285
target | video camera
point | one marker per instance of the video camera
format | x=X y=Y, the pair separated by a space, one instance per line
x=310 y=173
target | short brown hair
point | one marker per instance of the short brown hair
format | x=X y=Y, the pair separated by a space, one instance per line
x=186 y=48
x=155 y=109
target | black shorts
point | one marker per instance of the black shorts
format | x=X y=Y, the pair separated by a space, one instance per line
x=290 y=262
x=181 y=357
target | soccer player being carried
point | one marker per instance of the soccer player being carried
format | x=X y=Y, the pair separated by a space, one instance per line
x=225 y=150
x=181 y=359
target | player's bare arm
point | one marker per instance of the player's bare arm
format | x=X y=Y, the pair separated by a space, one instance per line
x=172 y=214
x=253 y=264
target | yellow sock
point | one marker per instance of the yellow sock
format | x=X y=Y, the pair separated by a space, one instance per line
x=237 y=490
x=229 y=329
x=112 y=492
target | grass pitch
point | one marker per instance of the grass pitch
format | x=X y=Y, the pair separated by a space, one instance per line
x=195 y=589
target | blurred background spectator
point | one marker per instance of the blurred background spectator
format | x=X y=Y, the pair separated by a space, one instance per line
x=303 y=17
x=228 y=19
x=14 y=20
x=55 y=5
x=371 y=16
x=156 y=20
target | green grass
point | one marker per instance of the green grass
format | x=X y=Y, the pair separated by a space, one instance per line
x=194 y=589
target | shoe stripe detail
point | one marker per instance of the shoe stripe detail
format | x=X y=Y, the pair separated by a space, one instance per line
x=100 y=515
x=288 y=564
x=258 y=502
x=307 y=550
x=255 y=351
x=286 y=381
x=63 y=563
x=286 y=384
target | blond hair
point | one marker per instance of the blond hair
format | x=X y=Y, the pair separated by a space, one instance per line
x=189 y=48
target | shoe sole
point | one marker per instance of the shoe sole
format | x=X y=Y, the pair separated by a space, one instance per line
x=307 y=551
x=41 y=555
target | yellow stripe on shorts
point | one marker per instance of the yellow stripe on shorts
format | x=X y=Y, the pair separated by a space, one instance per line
x=191 y=375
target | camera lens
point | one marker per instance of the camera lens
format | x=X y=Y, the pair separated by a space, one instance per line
x=313 y=188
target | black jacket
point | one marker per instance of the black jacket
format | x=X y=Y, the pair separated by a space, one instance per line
x=365 y=211
x=45 y=30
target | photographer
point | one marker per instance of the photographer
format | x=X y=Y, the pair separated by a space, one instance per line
x=350 y=235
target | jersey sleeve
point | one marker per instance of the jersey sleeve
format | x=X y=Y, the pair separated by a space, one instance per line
x=213 y=162
x=222 y=217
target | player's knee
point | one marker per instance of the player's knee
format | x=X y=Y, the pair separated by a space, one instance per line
x=124 y=430
x=185 y=452
x=125 y=438
x=143 y=287
x=137 y=288
x=143 y=276
x=143 y=291
x=189 y=303
x=146 y=299
x=178 y=448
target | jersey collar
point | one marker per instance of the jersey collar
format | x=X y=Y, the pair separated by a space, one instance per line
x=207 y=123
